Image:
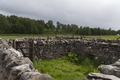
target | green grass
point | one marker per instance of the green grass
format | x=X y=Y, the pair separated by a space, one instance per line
x=14 y=36
x=52 y=35
x=64 y=69
x=106 y=37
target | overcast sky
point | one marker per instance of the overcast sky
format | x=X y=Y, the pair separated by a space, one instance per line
x=93 y=13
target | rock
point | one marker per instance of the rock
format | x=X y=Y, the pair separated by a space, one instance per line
x=114 y=59
x=110 y=70
x=115 y=44
x=99 y=76
x=35 y=42
x=84 y=79
x=40 y=60
x=40 y=77
x=117 y=63
x=18 y=70
x=12 y=51
x=29 y=75
x=35 y=57
x=19 y=61
x=104 y=43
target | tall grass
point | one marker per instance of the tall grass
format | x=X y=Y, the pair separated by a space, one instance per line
x=66 y=69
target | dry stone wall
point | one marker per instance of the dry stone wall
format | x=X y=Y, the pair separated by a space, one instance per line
x=106 y=50
x=13 y=66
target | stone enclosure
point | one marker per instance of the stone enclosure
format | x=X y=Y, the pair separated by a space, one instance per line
x=108 y=51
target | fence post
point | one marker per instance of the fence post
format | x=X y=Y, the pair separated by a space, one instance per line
x=32 y=50
x=55 y=36
x=73 y=36
x=14 y=43
x=47 y=37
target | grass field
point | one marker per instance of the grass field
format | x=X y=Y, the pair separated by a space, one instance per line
x=65 y=69
x=14 y=36
x=106 y=37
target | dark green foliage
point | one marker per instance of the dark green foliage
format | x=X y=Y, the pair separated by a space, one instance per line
x=73 y=57
x=49 y=25
x=78 y=59
x=19 y=25
x=86 y=60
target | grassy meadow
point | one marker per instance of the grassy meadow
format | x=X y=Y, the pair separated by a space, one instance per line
x=68 y=68
x=14 y=36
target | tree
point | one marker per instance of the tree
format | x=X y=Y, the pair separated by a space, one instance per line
x=109 y=31
x=50 y=24
x=74 y=28
x=58 y=26
x=5 y=26
x=20 y=25
x=68 y=28
x=118 y=32
x=80 y=31
x=46 y=26
x=63 y=27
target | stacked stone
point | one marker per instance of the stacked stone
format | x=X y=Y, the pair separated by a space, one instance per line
x=106 y=50
x=14 y=66
x=57 y=48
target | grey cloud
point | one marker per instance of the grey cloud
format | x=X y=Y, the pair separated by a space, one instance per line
x=93 y=13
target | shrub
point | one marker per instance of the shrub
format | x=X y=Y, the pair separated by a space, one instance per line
x=73 y=57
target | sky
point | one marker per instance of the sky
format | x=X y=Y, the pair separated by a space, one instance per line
x=93 y=13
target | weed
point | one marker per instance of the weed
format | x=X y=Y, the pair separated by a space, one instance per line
x=72 y=57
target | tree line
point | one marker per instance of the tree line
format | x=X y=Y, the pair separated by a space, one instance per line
x=21 y=25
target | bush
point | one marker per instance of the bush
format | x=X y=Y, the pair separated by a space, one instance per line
x=73 y=57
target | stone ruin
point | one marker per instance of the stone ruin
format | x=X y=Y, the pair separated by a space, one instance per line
x=13 y=66
x=108 y=51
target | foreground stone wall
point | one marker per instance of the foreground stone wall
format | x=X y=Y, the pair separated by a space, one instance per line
x=106 y=50
x=13 y=66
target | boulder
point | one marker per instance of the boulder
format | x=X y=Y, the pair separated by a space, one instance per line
x=40 y=77
x=100 y=76
x=113 y=69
